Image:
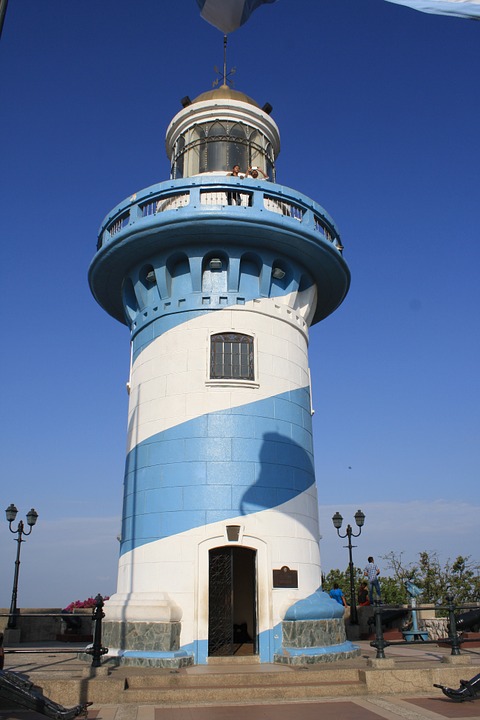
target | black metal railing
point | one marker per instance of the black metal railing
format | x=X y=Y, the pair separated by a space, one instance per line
x=95 y=649
x=454 y=639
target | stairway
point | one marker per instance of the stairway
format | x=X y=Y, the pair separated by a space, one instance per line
x=238 y=685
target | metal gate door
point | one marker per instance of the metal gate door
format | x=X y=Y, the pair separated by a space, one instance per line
x=220 y=602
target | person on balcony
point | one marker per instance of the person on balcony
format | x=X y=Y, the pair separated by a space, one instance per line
x=234 y=198
x=252 y=172
x=236 y=172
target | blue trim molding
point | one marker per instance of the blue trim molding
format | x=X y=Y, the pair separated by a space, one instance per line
x=276 y=218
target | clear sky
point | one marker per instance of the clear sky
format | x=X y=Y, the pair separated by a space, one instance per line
x=378 y=109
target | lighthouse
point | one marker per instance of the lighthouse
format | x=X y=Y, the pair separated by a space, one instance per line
x=219 y=278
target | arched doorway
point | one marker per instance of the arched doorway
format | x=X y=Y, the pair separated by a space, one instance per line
x=232 y=613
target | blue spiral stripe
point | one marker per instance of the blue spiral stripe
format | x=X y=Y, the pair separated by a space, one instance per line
x=218 y=466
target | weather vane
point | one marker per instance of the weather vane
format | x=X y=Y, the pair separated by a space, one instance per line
x=226 y=76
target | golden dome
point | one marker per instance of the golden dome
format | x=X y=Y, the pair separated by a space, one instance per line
x=225 y=93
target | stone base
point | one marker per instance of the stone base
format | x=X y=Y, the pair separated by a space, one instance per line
x=173 y=660
x=313 y=633
x=142 y=636
x=306 y=642
x=312 y=658
x=144 y=644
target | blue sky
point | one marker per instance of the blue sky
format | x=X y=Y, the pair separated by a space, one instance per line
x=378 y=111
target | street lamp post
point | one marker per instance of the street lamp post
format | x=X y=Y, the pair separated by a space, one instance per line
x=11 y=513
x=337 y=520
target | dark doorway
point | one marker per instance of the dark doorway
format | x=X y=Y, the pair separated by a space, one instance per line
x=232 y=617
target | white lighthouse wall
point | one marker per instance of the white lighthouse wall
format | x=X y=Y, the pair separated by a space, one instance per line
x=170 y=379
x=201 y=457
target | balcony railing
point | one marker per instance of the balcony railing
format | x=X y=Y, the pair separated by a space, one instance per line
x=226 y=197
x=172 y=202
x=119 y=223
x=282 y=207
x=198 y=193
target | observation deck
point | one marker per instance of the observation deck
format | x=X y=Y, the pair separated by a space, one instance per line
x=222 y=212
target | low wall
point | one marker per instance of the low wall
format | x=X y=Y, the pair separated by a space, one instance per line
x=45 y=629
x=364 y=630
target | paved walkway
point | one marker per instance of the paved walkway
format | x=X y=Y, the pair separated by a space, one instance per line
x=432 y=707
x=427 y=706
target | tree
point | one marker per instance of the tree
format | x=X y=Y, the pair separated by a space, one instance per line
x=464 y=579
x=459 y=578
x=393 y=592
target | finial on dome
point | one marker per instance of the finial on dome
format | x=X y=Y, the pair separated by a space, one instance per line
x=226 y=76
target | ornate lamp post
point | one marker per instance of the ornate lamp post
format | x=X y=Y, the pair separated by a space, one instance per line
x=337 y=520
x=32 y=516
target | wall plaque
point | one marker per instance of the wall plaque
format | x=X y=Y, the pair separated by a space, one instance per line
x=285 y=578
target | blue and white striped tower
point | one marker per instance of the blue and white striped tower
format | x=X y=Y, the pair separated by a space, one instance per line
x=219 y=278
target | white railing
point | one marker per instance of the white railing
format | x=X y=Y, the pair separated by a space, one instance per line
x=321 y=227
x=283 y=208
x=119 y=223
x=226 y=197
x=162 y=204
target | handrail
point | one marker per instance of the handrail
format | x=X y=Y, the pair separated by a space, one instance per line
x=96 y=649
x=196 y=193
x=453 y=639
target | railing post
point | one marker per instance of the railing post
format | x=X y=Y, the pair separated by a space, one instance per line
x=453 y=635
x=380 y=643
x=195 y=199
x=98 y=650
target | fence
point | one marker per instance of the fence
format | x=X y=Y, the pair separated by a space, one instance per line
x=453 y=639
x=96 y=649
x=190 y=195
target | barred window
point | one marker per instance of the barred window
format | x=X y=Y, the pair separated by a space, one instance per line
x=231 y=356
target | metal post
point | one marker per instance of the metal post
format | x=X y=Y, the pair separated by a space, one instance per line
x=98 y=650
x=353 y=603
x=12 y=618
x=380 y=643
x=337 y=523
x=453 y=635
x=11 y=513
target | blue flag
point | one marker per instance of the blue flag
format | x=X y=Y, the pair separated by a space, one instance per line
x=459 y=8
x=228 y=15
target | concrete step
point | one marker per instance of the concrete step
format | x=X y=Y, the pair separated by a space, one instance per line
x=227 y=660
x=247 y=694
x=255 y=678
x=184 y=689
x=199 y=685
x=188 y=687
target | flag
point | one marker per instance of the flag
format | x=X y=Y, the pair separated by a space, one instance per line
x=3 y=10
x=459 y=8
x=228 y=15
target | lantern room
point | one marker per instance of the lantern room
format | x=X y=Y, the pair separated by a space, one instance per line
x=219 y=129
